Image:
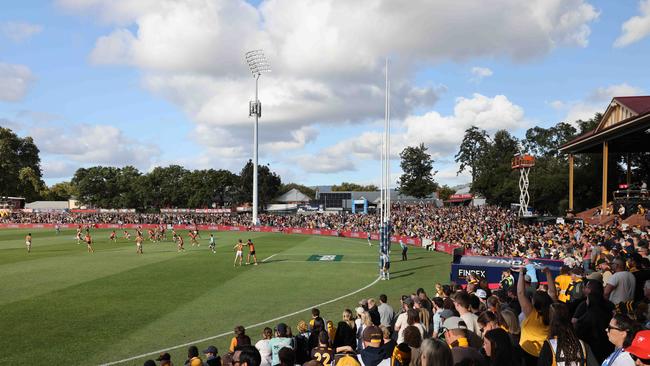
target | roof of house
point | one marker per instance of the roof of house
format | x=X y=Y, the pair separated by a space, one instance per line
x=293 y=195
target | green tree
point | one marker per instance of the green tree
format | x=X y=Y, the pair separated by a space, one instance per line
x=347 y=187
x=303 y=189
x=417 y=179
x=20 y=171
x=166 y=187
x=496 y=180
x=445 y=192
x=211 y=186
x=62 y=191
x=472 y=148
x=268 y=184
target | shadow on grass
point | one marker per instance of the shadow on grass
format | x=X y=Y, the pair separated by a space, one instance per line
x=402 y=275
x=415 y=268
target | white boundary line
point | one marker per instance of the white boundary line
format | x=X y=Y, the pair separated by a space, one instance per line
x=247 y=327
x=267 y=258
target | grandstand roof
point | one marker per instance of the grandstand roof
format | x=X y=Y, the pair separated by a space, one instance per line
x=293 y=195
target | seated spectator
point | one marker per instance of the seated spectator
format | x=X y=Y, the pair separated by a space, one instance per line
x=346 y=331
x=246 y=355
x=322 y=353
x=456 y=337
x=282 y=340
x=264 y=348
x=212 y=357
x=165 y=359
x=435 y=353
x=286 y=357
x=388 y=343
x=499 y=349
x=193 y=358
x=240 y=338
x=372 y=353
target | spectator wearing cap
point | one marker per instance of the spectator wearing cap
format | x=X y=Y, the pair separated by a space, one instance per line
x=640 y=348
x=165 y=359
x=602 y=265
x=193 y=358
x=263 y=347
x=401 y=322
x=620 y=286
x=456 y=338
x=462 y=302
x=386 y=312
x=373 y=354
x=281 y=340
x=212 y=357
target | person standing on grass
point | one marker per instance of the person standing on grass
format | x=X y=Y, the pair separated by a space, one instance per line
x=89 y=242
x=212 y=244
x=138 y=245
x=28 y=242
x=405 y=249
x=179 y=243
x=238 y=253
x=57 y=227
x=251 y=252
x=369 y=242
x=78 y=236
x=112 y=237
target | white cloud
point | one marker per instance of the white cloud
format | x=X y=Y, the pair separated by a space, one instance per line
x=327 y=57
x=19 y=31
x=93 y=144
x=595 y=101
x=15 y=81
x=441 y=134
x=481 y=72
x=635 y=28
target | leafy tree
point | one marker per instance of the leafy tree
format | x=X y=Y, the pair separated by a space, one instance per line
x=166 y=187
x=471 y=150
x=417 y=179
x=303 y=189
x=62 y=191
x=211 y=186
x=496 y=181
x=20 y=171
x=109 y=187
x=347 y=187
x=268 y=184
x=445 y=192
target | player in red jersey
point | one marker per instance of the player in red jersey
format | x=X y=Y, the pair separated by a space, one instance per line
x=127 y=236
x=192 y=236
x=152 y=235
x=112 y=237
x=251 y=252
x=89 y=242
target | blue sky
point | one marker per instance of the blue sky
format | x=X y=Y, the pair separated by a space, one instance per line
x=152 y=83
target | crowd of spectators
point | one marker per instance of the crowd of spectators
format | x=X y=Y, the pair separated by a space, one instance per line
x=579 y=318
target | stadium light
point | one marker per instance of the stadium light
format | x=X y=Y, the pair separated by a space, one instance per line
x=258 y=64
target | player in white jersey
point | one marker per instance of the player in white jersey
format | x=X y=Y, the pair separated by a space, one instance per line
x=28 y=242
x=212 y=244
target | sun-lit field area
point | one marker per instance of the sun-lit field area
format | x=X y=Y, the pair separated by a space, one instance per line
x=67 y=306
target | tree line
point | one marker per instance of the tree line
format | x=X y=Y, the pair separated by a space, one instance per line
x=488 y=159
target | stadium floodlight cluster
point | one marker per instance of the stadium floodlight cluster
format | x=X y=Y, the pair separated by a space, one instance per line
x=257 y=62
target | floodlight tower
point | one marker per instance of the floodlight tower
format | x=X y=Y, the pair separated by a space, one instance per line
x=258 y=64
x=523 y=162
x=384 y=208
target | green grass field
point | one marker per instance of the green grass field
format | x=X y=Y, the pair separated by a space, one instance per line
x=60 y=305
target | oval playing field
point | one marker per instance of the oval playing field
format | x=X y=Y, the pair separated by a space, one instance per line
x=62 y=305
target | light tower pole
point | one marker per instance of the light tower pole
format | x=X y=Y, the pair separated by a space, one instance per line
x=258 y=64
